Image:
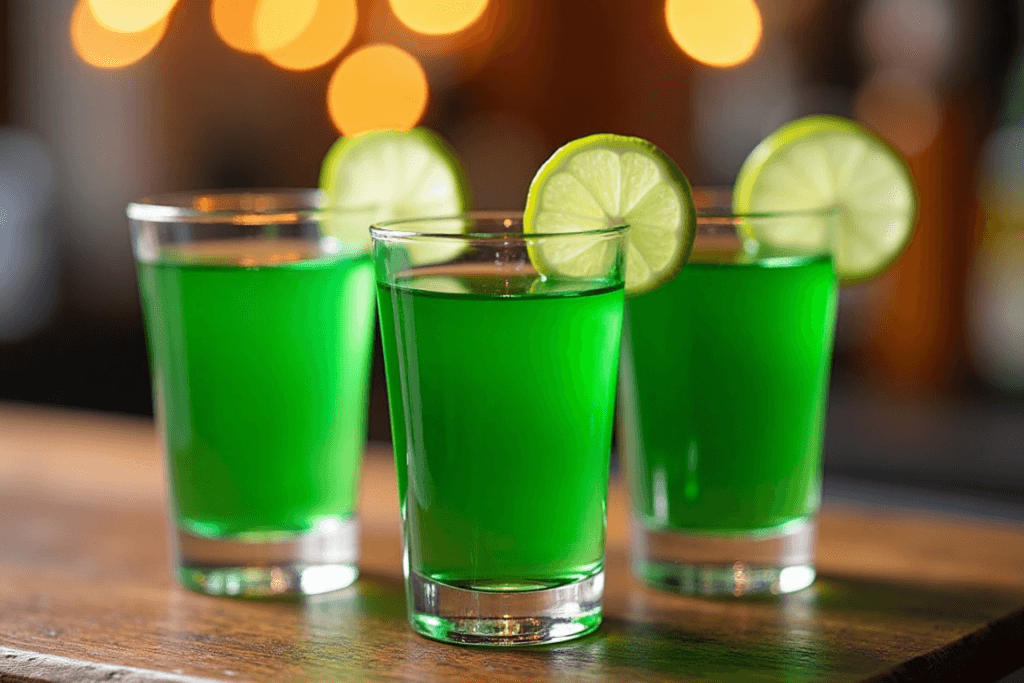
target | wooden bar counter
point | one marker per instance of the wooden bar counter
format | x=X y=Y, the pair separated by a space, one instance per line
x=86 y=594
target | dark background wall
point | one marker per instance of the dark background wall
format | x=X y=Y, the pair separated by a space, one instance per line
x=929 y=368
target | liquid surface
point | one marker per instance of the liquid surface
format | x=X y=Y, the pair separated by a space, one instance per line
x=723 y=385
x=501 y=393
x=260 y=376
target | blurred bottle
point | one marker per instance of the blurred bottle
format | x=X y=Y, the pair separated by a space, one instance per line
x=995 y=288
x=921 y=92
x=28 y=269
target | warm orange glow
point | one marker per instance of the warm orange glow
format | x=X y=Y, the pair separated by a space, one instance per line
x=902 y=109
x=130 y=16
x=99 y=46
x=233 y=21
x=327 y=34
x=378 y=86
x=280 y=22
x=716 y=32
x=437 y=17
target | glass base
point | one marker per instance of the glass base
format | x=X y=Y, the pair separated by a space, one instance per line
x=320 y=560
x=503 y=618
x=774 y=561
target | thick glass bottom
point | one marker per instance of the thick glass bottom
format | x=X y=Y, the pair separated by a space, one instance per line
x=320 y=560
x=504 y=617
x=772 y=561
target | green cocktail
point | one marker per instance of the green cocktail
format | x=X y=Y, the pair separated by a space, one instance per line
x=744 y=467
x=260 y=332
x=264 y=369
x=501 y=387
x=511 y=395
x=723 y=387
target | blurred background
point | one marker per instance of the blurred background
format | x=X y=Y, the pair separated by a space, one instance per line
x=105 y=101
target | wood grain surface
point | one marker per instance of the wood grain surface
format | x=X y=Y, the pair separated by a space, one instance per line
x=86 y=594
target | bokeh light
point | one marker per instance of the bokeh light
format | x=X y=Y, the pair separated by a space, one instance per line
x=233 y=21
x=130 y=16
x=719 y=33
x=280 y=22
x=438 y=17
x=377 y=86
x=328 y=33
x=99 y=46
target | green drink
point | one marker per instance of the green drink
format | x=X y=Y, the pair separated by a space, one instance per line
x=734 y=338
x=260 y=328
x=723 y=387
x=511 y=393
x=501 y=387
x=264 y=409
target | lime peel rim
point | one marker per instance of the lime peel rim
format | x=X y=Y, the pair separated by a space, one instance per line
x=804 y=129
x=669 y=174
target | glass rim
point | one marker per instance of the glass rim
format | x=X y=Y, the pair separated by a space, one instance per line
x=243 y=206
x=714 y=207
x=389 y=230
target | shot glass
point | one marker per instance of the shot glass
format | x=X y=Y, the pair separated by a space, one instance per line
x=501 y=375
x=722 y=404
x=260 y=328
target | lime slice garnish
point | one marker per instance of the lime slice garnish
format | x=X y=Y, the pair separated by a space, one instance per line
x=602 y=181
x=388 y=174
x=828 y=162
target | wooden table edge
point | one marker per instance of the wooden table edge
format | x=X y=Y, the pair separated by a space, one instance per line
x=988 y=654
x=23 y=666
